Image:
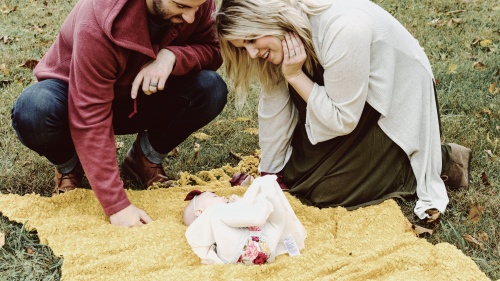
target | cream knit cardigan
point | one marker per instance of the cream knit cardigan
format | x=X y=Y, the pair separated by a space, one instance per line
x=368 y=56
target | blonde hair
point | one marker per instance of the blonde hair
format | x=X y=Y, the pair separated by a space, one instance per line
x=252 y=19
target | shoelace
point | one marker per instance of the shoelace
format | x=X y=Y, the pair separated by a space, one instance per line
x=68 y=176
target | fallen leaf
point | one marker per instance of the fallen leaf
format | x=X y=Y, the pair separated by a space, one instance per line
x=2 y=239
x=418 y=230
x=455 y=12
x=31 y=64
x=485 y=43
x=5 y=82
x=196 y=149
x=30 y=250
x=483 y=236
x=421 y=231
x=475 y=213
x=434 y=215
x=493 y=88
x=476 y=41
x=235 y=155
x=452 y=68
x=6 y=39
x=38 y=28
x=243 y=119
x=119 y=145
x=7 y=10
x=251 y=131
x=4 y=69
x=488 y=139
x=201 y=136
x=487 y=111
x=174 y=152
x=473 y=240
x=485 y=180
x=478 y=65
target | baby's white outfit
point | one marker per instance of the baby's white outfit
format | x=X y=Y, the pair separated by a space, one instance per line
x=251 y=230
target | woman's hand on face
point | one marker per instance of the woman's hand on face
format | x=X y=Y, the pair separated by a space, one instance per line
x=294 y=56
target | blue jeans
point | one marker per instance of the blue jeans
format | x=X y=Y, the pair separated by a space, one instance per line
x=188 y=102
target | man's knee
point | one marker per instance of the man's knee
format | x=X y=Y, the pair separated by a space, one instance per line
x=35 y=111
x=214 y=87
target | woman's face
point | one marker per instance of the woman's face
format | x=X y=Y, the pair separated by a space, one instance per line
x=267 y=48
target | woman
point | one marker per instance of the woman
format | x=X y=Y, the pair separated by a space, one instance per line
x=347 y=114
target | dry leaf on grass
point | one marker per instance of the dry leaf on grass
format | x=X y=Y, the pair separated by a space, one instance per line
x=196 y=149
x=422 y=231
x=493 y=88
x=475 y=213
x=418 y=230
x=452 y=68
x=434 y=215
x=119 y=145
x=2 y=239
x=243 y=119
x=483 y=236
x=478 y=65
x=4 y=69
x=485 y=42
x=201 y=136
x=174 y=152
x=7 y=10
x=484 y=179
x=30 y=63
x=251 y=131
x=29 y=250
x=473 y=240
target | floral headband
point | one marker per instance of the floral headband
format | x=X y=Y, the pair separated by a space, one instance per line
x=192 y=196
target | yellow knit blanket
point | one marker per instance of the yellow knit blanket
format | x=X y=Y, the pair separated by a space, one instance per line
x=372 y=243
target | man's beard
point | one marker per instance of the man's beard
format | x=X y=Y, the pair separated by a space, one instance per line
x=162 y=16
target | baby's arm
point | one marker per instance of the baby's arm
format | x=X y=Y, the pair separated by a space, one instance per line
x=255 y=207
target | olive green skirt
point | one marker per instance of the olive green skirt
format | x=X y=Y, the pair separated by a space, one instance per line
x=362 y=168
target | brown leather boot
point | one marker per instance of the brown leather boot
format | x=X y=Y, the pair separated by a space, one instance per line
x=69 y=181
x=142 y=169
x=457 y=176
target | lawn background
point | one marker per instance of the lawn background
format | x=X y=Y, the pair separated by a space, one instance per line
x=460 y=37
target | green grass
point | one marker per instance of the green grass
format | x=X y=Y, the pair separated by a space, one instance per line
x=469 y=116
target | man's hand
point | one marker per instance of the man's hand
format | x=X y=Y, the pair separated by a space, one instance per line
x=129 y=217
x=155 y=74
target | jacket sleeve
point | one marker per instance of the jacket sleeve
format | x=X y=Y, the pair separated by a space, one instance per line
x=202 y=50
x=277 y=119
x=91 y=94
x=335 y=108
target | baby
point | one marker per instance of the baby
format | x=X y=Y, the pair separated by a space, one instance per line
x=250 y=230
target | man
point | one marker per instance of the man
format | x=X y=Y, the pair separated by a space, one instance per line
x=122 y=67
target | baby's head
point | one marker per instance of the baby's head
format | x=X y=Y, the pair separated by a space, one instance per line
x=199 y=201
